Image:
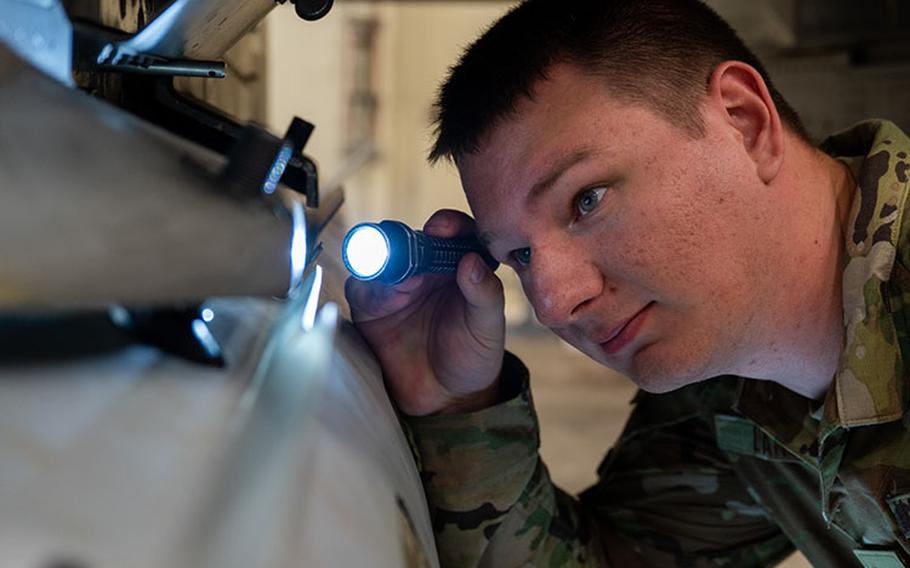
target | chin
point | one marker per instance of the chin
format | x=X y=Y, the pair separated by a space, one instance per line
x=659 y=375
x=652 y=370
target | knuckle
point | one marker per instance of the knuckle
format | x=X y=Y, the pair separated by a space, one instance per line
x=449 y=221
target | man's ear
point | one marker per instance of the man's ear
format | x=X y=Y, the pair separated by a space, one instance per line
x=742 y=96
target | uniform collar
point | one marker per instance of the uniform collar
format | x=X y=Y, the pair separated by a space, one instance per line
x=869 y=387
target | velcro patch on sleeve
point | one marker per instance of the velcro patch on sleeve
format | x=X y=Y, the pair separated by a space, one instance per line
x=900 y=508
x=740 y=436
x=879 y=559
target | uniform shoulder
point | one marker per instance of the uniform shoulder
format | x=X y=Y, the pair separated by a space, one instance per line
x=700 y=400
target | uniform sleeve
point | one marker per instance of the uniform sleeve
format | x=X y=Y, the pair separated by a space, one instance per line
x=666 y=496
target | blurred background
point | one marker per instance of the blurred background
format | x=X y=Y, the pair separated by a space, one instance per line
x=367 y=74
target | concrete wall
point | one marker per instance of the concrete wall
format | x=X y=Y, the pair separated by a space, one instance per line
x=311 y=73
x=312 y=68
x=826 y=61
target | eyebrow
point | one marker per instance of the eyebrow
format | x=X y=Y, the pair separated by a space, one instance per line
x=486 y=238
x=556 y=171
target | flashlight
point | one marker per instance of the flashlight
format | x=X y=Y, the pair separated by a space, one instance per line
x=391 y=252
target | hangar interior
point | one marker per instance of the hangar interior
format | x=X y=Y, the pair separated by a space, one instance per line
x=837 y=62
x=365 y=76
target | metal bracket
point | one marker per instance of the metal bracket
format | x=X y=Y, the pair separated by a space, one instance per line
x=119 y=58
x=312 y=10
x=258 y=161
x=302 y=175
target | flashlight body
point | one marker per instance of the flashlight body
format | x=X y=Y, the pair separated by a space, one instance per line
x=414 y=252
x=441 y=255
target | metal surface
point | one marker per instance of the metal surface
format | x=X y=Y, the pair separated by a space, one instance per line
x=292 y=455
x=121 y=454
x=113 y=58
x=107 y=453
x=198 y=29
x=40 y=32
x=127 y=16
x=318 y=469
x=363 y=477
x=99 y=207
x=247 y=514
x=185 y=39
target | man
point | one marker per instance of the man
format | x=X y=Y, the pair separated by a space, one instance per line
x=667 y=216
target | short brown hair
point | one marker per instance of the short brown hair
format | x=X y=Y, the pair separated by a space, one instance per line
x=657 y=52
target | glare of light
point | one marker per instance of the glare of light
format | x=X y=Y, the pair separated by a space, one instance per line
x=158 y=29
x=207 y=315
x=366 y=251
x=205 y=337
x=328 y=315
x=298 y=243
x=312 y=301
x=277 y=170
x=119 y=315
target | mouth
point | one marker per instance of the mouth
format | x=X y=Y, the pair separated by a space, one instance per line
x=625 y=333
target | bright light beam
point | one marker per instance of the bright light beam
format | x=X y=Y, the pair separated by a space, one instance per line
x=366 y=251
x=312 y=301
x=206 y=339
x=298 y=244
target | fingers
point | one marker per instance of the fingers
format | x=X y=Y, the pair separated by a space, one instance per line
x=475 y=279
x=361 y=296
x=480 y=287
x=372 y=300
x=449 y=223
x=485 y=302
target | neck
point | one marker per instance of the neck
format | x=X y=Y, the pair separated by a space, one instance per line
x=804 y=336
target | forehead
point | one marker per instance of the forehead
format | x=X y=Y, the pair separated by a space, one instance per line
x=571 y=117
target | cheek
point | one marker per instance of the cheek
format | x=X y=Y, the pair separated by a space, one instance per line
x=682 y=234
x=534 y=298
x=658 y=237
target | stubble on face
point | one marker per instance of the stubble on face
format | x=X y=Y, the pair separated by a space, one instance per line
x=681 y=234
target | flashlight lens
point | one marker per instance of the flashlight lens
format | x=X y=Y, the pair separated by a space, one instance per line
x=366 y=251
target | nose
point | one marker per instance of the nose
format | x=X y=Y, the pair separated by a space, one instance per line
x=561 y=283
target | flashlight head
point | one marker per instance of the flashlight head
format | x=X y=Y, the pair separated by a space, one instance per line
x=366 y=251
x=391 y=252
x=384 y=251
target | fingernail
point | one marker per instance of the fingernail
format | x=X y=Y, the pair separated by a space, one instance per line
x=477 y=273
x=435 y=226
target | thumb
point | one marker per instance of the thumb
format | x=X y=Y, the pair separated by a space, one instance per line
x=483 y=294
x=480 y=287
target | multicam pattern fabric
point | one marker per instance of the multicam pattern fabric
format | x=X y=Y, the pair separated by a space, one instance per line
x=729 y=472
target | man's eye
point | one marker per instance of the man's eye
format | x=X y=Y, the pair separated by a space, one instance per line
x=522 y=256
x=588 y=200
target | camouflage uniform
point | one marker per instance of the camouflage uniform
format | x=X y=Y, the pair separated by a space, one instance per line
x=727 y=472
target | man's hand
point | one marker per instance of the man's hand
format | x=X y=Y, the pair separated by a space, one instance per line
x=439 y=338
